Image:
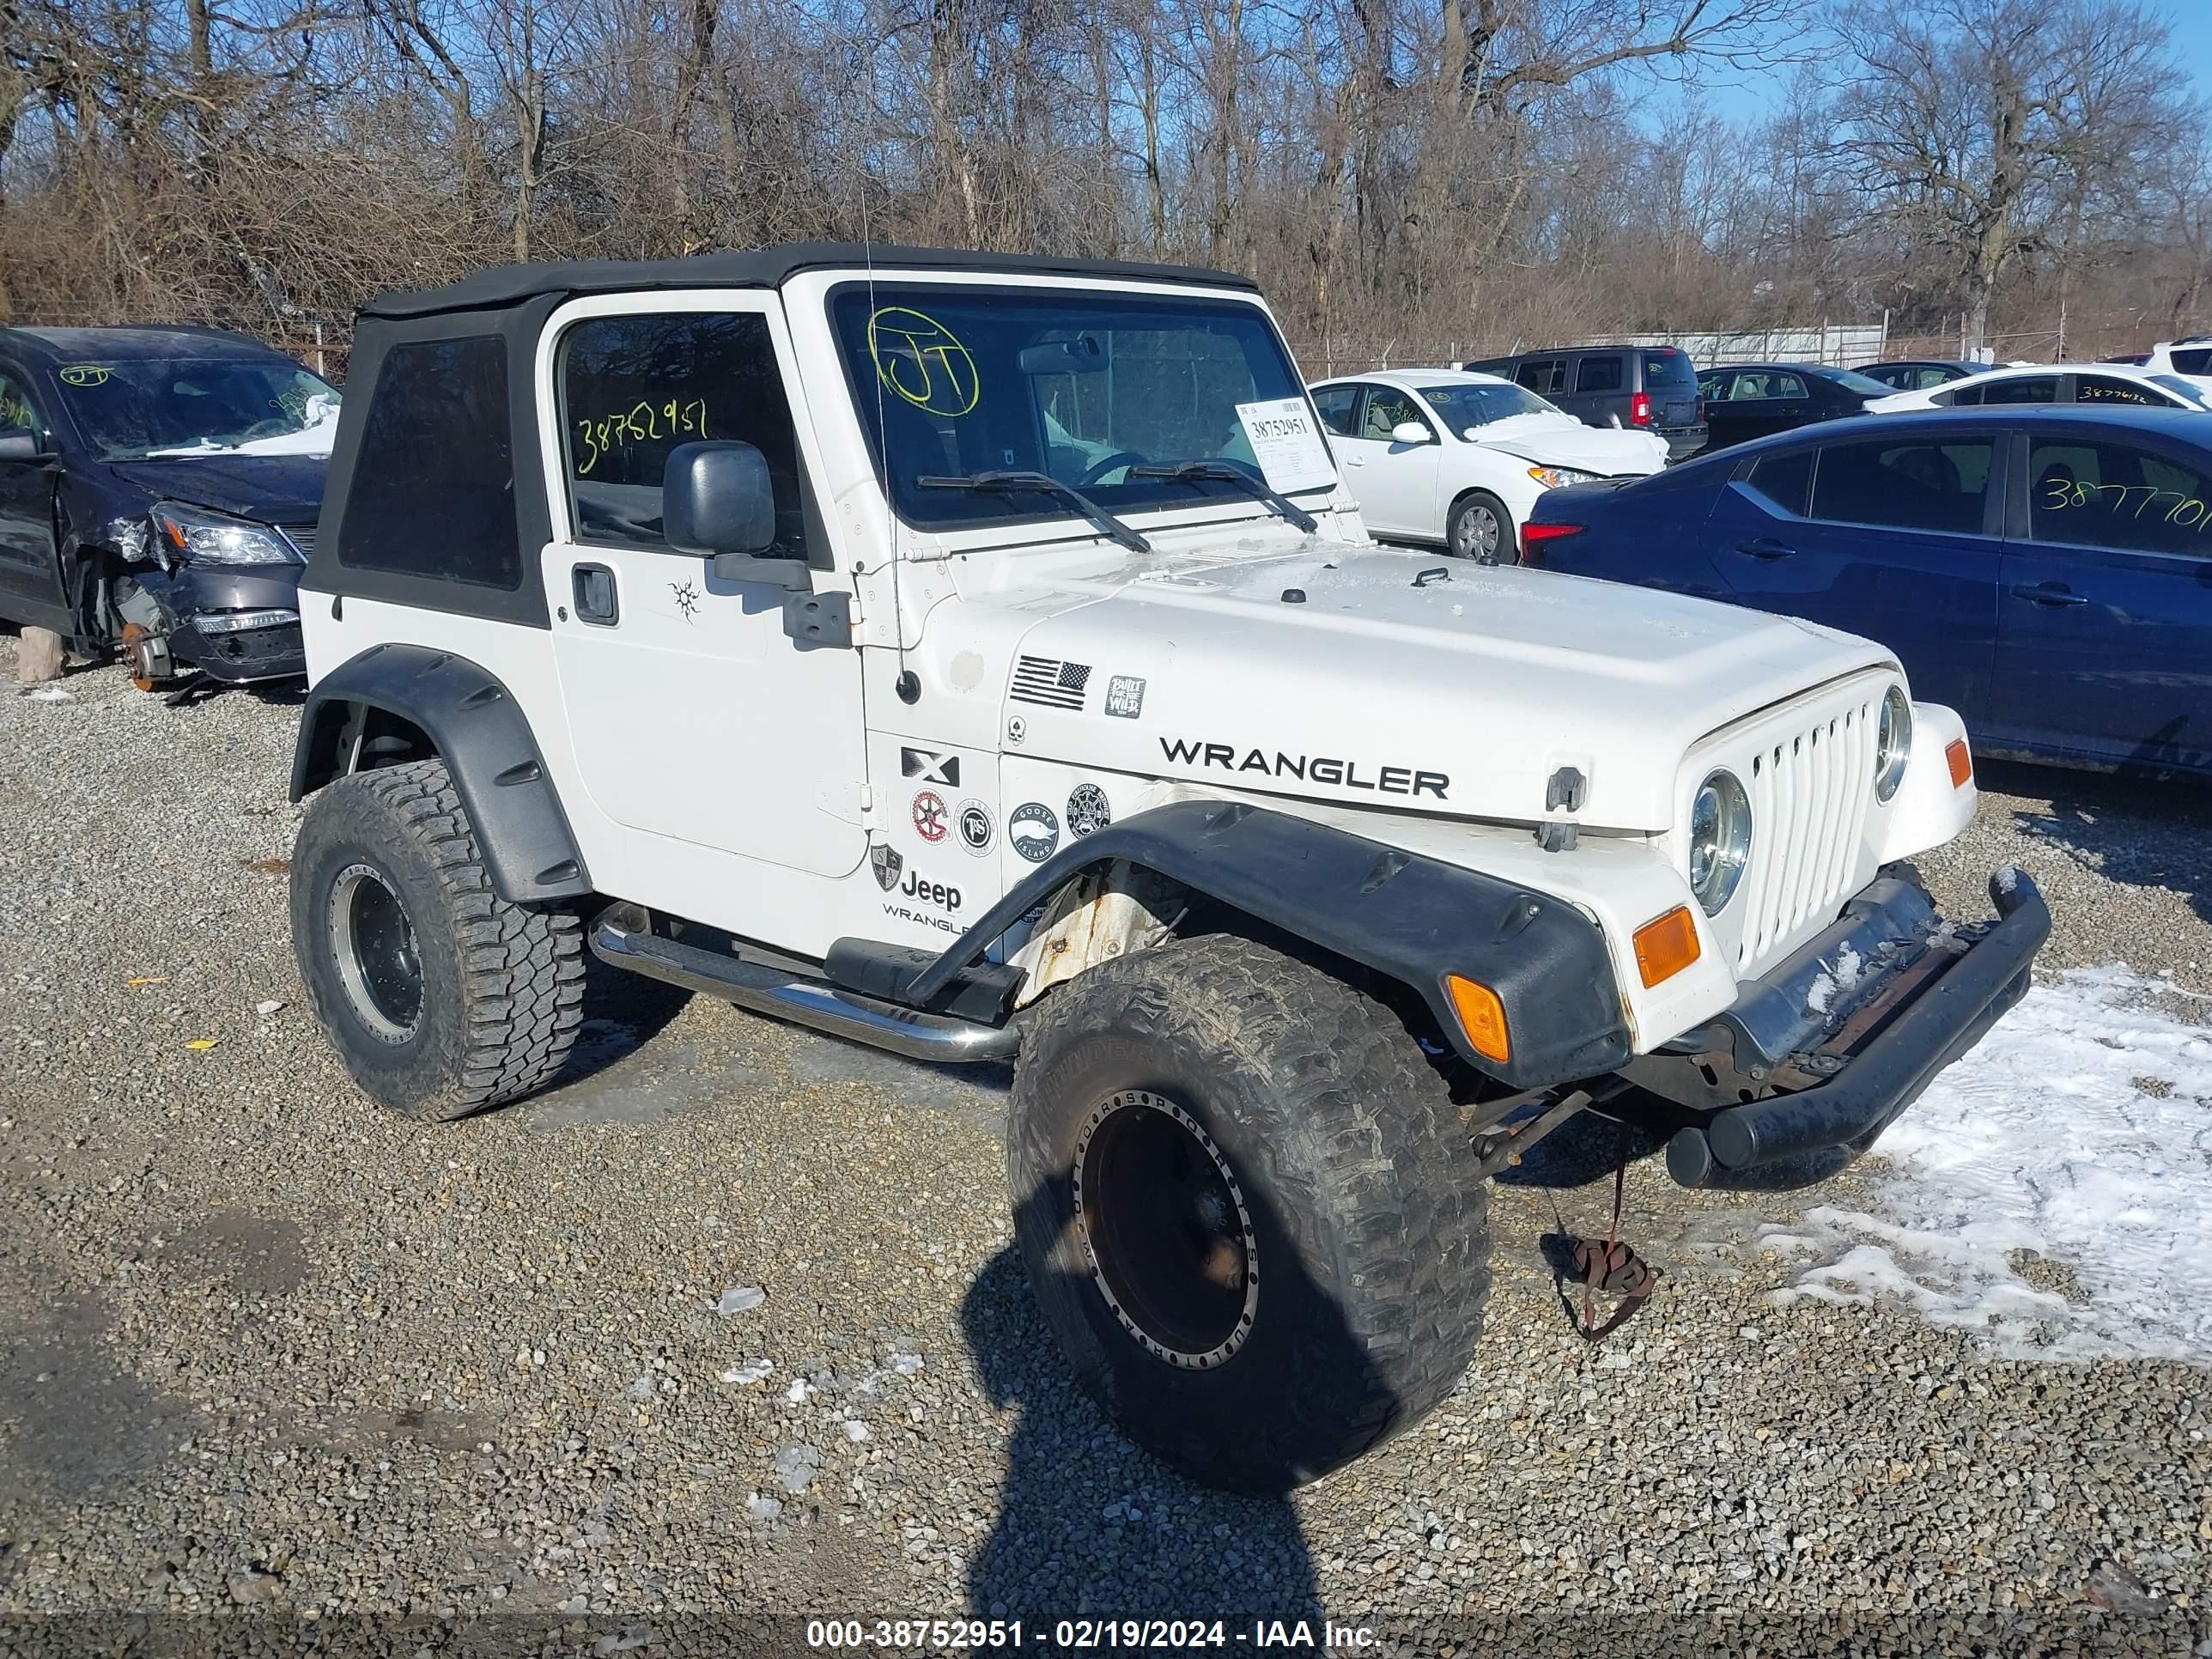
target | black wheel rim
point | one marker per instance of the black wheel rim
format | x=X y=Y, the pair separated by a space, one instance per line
x=373 y=944
x=1166 y=1230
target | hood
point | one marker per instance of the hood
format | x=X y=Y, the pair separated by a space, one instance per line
x=272 y=489
x=1460 y=697
x=1563 y=440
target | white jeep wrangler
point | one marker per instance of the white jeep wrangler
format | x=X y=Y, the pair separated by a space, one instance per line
x=979 y=657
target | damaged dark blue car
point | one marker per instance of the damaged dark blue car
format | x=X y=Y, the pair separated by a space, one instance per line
x=159 y=489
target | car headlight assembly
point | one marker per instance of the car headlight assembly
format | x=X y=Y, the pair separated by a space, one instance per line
x=1719 y=840
x=1892 y=743
x=196 y=536
x=1558 y=478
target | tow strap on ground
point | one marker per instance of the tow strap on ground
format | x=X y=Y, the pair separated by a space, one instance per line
x=1611 y=1268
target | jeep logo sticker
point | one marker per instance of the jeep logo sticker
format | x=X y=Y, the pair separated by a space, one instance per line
x=921 y=891
x=1308 y=769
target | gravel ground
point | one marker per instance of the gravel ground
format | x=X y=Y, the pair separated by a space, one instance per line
x=277 y=1365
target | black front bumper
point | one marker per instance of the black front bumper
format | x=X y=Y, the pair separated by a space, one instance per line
x=245 y=656
x=189 y=595
x=1917 y=1017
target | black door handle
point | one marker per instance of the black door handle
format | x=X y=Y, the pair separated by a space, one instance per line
x=1765 y=547
x=2050 y=593
x=596 y=600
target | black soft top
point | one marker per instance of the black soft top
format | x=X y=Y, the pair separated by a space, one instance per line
x=504 y=286
x=52 y=348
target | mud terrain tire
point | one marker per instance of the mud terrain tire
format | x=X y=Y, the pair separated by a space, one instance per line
x=443 y=999
x=1327 y=1254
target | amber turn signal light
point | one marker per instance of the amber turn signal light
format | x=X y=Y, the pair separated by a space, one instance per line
x=1962 y=763
x=1481 y=1016
x=1665 y=947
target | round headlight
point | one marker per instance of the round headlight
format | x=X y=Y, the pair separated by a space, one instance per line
x=1892 y=743
x=1719 y=840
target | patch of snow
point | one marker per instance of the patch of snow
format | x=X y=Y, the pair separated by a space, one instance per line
x=799 y=1390
x=753 y=1370
x=795 y=1464
x=740 y=1299
x=855 y=1430
x=50 y=693
x=763 y=1508
x=2079 y=1129
x=1833 y=981
x=905 y=1365
x=644 y=1389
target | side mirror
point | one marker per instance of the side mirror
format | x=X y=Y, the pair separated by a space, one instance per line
x=18 y=443
x=718 y=502
x=1411 y=432
x=717 y=498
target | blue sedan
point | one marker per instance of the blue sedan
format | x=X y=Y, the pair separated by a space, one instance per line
x=2047 y=572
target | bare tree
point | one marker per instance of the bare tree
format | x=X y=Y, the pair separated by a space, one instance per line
x=1972 y=125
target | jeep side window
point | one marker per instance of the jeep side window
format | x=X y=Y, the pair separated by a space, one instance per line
x=433 y=491
x=634 y=387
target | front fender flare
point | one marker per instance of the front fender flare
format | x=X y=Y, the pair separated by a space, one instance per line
x=483 y=737
x=1411 y=917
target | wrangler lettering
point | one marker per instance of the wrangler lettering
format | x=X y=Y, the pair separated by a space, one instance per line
x=1314 y=769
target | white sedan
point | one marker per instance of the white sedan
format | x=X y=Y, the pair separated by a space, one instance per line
x=1442 y=455
x=2110 y=383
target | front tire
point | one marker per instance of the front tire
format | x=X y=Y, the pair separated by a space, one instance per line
x=1479 y=529
x=1247 y=1209
x=440 y=997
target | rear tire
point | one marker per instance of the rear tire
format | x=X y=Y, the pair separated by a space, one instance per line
x=442 y=998
x=1480 y=529
x=1247 y=1209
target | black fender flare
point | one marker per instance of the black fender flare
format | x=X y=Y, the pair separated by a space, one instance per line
x=484 y=738
x=1411 y=917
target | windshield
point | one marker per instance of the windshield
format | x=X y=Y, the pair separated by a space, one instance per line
x=1851 y=380
x=952 y=382
x=2189 y=393
x=1471 y=405
x=162 y=406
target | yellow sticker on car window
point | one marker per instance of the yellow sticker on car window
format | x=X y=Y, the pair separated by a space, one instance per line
x=85 y=375
x=922 y=361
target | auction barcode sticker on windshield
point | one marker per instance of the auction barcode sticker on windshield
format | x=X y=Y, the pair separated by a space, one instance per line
x=1287 y=445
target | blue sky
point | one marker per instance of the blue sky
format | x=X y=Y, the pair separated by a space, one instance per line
x=2190 y=21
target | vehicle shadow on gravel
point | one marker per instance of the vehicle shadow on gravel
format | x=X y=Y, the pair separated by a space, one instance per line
x=1089 y=1526
x=2145 y=832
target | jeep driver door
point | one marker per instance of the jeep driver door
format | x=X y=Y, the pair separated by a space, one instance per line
x=696 y=718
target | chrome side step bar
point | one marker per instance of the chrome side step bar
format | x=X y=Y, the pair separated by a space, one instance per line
x=809 y=1002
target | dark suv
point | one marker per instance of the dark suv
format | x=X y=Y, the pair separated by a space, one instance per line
x=1653 y=387
x=159 y=489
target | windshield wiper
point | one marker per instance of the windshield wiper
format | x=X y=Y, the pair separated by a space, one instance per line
x=1228 y=472
x=1006 y=483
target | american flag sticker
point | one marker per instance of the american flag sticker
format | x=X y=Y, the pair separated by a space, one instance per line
x=1051 y=682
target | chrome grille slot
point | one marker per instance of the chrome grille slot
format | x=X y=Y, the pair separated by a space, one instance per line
x=1809 y=795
